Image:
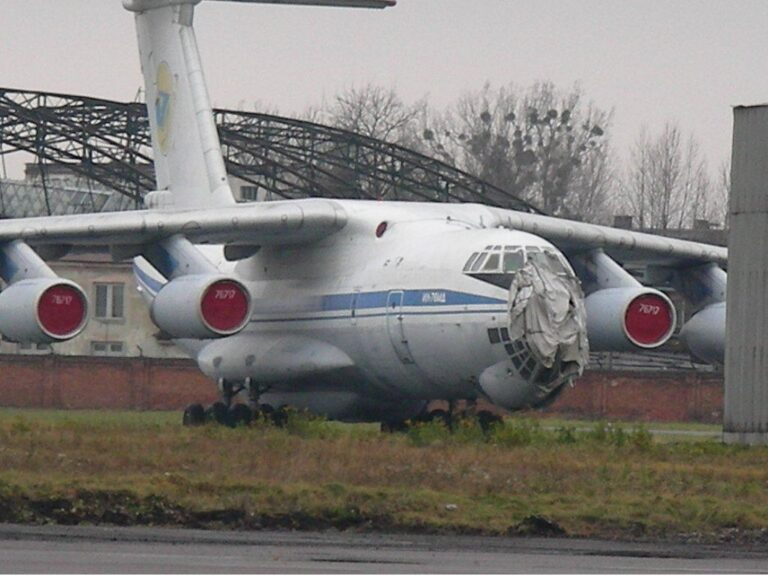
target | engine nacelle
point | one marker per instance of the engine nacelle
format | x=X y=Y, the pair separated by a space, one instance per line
x=202 y=307
x=42 y=310
x=704 y=334
x=628 y=318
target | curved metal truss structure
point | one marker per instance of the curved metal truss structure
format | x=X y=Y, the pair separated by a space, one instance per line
x=108 y=142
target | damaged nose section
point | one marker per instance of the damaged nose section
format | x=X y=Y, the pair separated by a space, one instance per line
x=547 y=329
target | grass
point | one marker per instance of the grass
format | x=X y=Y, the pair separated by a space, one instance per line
x=528 y=476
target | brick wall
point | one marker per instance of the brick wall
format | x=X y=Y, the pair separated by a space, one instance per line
x=72 y=382
x=641 y=396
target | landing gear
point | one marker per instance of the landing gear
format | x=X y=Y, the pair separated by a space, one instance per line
x=394 y=426
x=227 y=412
x=278 y=417
x=194 y=415
x=240 y=414
x=456 y=416
x=217 y=413
x=440 y=416
x=488 y=421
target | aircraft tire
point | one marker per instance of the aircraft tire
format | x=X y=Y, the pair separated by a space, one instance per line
x=440 y=415
x=240 y=414
x=264 y=412
x=279 y=417
x=217 y=413
x=194 y=415
x=394 y=426
x=488 y=420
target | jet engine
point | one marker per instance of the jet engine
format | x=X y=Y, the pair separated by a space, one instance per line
x=42 y=310
x=704 y=334
x=627 y=318
x=202 y=307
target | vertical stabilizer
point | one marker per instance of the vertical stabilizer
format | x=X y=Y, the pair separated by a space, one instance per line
x=188 y=163
x=187 y=153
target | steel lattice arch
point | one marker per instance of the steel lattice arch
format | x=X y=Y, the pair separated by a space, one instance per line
x=108 y=142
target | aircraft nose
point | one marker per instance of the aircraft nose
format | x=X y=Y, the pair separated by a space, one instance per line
x=546 y=309
x=547 y=329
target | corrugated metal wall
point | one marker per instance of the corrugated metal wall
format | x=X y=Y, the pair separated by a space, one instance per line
x=746 y=353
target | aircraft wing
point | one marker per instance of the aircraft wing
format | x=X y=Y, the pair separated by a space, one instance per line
x=273 y=223
x=337 y=3
x=626 y=246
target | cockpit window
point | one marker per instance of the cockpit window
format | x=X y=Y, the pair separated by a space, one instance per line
x=537 y=257
x=492 y=263
x=495 y=262
x=513 y=261
x=558 y=262
x=470 y=261
x=478 y=262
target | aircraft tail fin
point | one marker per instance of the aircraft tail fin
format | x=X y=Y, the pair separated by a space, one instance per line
x=189 y=166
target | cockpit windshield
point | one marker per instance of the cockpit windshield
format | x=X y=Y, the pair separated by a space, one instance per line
x=498 y=264
x=513 y=260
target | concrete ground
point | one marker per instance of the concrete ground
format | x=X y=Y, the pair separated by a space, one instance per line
x=63 y=549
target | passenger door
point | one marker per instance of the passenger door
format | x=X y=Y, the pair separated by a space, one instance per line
x=396 y=326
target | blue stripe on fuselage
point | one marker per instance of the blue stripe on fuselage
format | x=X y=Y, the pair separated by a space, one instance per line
x=411 y=298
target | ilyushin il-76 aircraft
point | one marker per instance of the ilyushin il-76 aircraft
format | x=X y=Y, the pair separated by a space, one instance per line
x=357 y=310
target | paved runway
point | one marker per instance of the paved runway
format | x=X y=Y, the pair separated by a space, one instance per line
x=142 y=550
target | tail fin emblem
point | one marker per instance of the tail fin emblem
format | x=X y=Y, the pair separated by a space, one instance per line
x=164 y=106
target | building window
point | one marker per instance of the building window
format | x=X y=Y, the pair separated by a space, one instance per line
x=249 y=193
x=107 y=348
x=27 y=347
x=109 y=301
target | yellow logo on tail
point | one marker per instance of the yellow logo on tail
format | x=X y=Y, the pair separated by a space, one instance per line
x=164 y=101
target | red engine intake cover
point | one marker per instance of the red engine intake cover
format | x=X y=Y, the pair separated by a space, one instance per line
x=224 y=306
x=649 y=319
x=61 y=310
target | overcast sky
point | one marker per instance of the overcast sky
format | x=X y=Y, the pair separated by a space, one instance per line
x=652 y=61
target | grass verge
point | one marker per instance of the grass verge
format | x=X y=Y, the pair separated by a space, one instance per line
x=525 y=478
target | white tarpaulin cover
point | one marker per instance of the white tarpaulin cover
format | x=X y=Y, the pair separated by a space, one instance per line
x=546 y=306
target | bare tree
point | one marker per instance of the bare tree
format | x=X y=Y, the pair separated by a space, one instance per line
x=718 y=206
x=376 y=112
x=540 y=144
x=667 y=184
x=638 y=181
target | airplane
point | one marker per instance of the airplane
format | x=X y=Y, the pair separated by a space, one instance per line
x=357 y=310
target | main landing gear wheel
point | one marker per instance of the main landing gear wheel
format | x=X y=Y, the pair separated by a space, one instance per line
x=240 y=414
x=441 y=416
x=278 y=416
x=394 y=426
x=217 y=413
x=488 y=420
x=194 y=415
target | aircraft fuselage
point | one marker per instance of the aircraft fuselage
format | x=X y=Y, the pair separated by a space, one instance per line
x=379 y=314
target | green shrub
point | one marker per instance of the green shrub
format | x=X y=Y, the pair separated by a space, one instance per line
x=640 y=438
x=468 y=430
x=516 y=432
x=566 y=435
x=428 y=433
